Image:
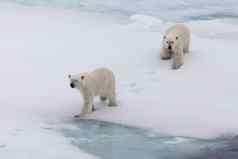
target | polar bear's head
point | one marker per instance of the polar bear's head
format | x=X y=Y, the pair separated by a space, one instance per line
x=170 y=42
x=78 y=81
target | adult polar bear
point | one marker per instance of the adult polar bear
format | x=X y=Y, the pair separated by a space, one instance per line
x=175 y=43
x=100 y=82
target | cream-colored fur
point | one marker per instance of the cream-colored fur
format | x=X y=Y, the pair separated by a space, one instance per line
x=100 y=82
x=175 y=43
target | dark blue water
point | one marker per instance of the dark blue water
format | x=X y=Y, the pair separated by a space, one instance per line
x=114 y=141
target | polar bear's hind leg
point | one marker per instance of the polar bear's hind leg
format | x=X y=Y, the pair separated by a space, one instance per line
x=186 y=47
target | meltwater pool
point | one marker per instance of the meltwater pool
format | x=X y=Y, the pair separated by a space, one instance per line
x=114 y=141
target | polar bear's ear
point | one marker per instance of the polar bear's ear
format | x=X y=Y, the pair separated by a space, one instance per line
x=176 y=37
x=82 y=77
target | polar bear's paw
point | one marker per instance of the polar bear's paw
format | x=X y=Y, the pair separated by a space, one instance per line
x=93 y=108
x=176 y=66
x=112 y=104
x=82 y=114
x=166 y=58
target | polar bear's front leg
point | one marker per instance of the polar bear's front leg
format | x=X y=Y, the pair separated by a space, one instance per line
x=177 y=58
x=112 y=100
x=165 y=54
x=88 y=105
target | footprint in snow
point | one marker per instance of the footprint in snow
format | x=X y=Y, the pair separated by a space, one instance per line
x=47 y=128
x=132 y=85
x=16 y=131
x=134 y=88
x=2 y=146
x=151 y=73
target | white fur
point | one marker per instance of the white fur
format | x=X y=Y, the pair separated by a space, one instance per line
x=100 y=82
x=178 y=37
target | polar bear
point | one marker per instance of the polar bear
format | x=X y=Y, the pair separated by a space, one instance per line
x=100 y=82
x=175 y=43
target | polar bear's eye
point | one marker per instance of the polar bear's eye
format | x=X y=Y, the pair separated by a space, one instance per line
x=164 y=37
x=176 y=38
x=82 y=77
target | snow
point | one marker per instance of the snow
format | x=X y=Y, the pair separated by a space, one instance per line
x=41 y=46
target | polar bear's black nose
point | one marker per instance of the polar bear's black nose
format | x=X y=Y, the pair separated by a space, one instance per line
x=72 y=85
x=169 y=47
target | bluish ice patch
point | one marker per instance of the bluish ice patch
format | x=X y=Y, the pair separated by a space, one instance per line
x=176 y=10
x=213 y=16
x=114 y=141
x=56 y=3
x=228 y=151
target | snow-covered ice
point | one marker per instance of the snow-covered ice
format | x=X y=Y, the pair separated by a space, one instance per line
x=40 y=46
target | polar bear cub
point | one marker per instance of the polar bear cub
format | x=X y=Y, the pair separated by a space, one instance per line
x=100 y=82
x=175 y=43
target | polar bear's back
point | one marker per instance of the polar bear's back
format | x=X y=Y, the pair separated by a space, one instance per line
x=178 y=30
x=102 y=73
x=104 y=81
